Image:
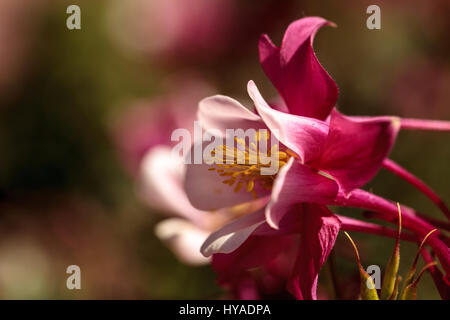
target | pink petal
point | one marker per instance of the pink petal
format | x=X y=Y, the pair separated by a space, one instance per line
x=230 y=237
x=356 y=147
x=305 y=86
x=304 y=136
x=161 y=184
x=294 y=184
x=221 y=113
x=243 y=287
x=319 y=230
x=184 y=239
x=254 y=252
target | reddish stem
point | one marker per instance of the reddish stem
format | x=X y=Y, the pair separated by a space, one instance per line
x=388 y=211
x=420 y=124
x=349 y=224
x=416 y=182
x=441 y=283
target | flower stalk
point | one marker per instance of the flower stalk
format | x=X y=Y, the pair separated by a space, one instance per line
x=420 y=124
x=401 y=172
x=389 y=212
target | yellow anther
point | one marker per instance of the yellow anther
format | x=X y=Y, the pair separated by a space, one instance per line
x=235 y=174
x=250 y=185
x=282 y=155
x=242 y=168
x=238 y=186
x=226 y=174
x=229 y=182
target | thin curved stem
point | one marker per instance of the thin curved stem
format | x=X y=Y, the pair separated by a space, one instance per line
x=417 y=183
x=388 y=211
x=349 y=224
x=443 y=225
x=420 y=124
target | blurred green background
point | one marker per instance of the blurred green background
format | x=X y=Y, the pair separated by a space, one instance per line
x=67 y=192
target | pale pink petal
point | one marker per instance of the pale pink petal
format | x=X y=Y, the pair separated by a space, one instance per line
x=230 y=237
x=294 y=184
x=306 y=87
x=184 y=239
x=161 y=184
x=304 y=136
x=206 y=191
x=221 y=113
x=356 y=147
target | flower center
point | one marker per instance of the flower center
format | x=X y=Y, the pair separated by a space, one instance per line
x=243 y=166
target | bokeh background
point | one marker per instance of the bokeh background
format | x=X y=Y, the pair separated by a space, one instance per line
x=78 y=111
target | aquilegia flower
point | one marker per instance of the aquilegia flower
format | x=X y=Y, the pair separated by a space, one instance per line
x=324 y=157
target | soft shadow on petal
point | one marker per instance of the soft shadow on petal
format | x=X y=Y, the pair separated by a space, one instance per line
x=305 y=136
x=221 y=113
x=161 y=184
x=305 y=86
x=256 y=251
x=294 y=184
x=356 y=147
x=230 y=237
x=319 y=230
x=184 y=239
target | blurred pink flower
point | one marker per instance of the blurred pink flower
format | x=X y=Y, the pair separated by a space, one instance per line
x=18 y=21
x=161 y=187
x=171 y=29
x=147 y=123
x=142 y=133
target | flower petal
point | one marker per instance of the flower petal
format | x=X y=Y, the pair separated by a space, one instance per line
x=206 y=191
x=256 y=251
x=161 y=184
x=222 y=112
x=231 y=236
x=294 y=184
x=319 y=230
x=304 y=136
x=305 y=86
x=184 y=239
x=356 y=147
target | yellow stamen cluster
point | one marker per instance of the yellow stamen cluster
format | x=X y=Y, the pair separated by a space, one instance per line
x=241 y=166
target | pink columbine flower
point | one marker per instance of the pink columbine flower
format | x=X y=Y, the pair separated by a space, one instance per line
x=324 y=157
